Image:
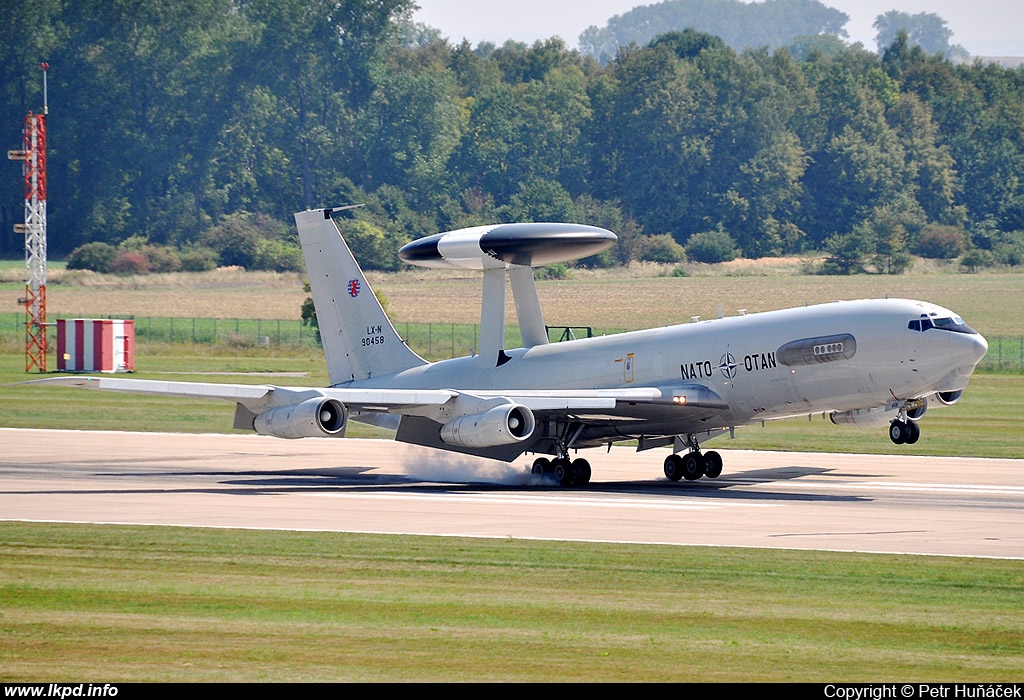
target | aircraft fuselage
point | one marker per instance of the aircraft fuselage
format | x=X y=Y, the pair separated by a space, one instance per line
x=834 y=357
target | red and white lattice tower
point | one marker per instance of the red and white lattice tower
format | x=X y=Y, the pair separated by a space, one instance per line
x=33 y=156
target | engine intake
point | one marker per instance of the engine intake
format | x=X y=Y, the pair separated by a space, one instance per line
x=319 y=417
x=948 y=398
x=502 y=425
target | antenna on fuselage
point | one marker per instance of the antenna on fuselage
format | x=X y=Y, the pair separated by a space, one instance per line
x=512 y=250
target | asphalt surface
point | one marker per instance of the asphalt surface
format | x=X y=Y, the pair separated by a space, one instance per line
x=869 y=503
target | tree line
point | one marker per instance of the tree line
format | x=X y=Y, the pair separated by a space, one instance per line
x=200 y=126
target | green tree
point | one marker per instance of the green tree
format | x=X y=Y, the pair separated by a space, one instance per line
x=889 y=229
x=942 y=242
x=975 y=258
x=772 y=23
x=489 y=155
x=925 y=29
x=374 y=247
x=170 y=118
x=96 y=256
x=661 y=248
x=320 y=56
x=711 y=247
x=540 y=200
x=847 y=251
x=409 y=129
x=929 y=161
x=556 y=112
x=138 y=148
x=659 y=141
x=239 y=238
x=862 y=165
x=520 y=63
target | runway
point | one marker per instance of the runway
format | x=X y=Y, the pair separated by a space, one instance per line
x=868 y=503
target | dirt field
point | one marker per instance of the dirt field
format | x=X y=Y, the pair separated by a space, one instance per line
x=637 y=297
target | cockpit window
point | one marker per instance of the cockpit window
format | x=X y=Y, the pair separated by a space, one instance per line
x=945 y=323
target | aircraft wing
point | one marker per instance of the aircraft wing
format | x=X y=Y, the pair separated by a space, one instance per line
x=256 y=396
x=481 y=422
x=694 y=395
x=205 y=390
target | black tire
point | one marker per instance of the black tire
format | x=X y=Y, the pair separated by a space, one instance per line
x=581 y=472
x=541 y=466
x=562 y=470
x=674 y=467
x=896 y=433
x=693 y=466
x=913 y=432
x=712 y=465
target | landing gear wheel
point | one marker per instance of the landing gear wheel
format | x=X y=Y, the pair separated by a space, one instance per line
x=913 y=432
x=674 y=467
x=562 y=470
x=897 y=433
x=693 y=467
x=541 y=466
x=712 y=465
x=581 y=472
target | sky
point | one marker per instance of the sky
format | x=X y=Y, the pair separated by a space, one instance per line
x=983 y=27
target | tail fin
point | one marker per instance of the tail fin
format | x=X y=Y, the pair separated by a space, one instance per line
x=359 y=340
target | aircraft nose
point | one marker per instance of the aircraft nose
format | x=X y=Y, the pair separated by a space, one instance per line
x=970 y=349
x=980 y=347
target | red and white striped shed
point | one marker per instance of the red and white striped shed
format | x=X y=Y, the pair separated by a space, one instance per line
x=95 y=345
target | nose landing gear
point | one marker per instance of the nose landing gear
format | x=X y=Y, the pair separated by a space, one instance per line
x=904 y=432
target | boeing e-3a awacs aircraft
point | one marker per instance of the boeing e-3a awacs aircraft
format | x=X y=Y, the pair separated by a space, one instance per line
x=870 y=363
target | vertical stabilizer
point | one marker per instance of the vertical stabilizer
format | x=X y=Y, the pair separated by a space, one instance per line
x=358 y=338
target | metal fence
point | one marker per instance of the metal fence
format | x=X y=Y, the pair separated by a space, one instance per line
x=241 y=332
x=433 y=341
x=1005 y=354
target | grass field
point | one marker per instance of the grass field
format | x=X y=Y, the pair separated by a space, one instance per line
x=621 y=299
x=109 y=604
x=987 y=422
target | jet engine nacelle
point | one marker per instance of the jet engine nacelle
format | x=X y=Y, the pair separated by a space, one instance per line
x=862 y=417
x=318 y=417
x=948 y=398
x=502 y=425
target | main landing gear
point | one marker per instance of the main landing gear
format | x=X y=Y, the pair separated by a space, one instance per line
x=567 y=473
x=903 y=431
x=693 y=465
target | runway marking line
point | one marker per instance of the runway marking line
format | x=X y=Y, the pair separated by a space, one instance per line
x=894 y=486
x=548 y=500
